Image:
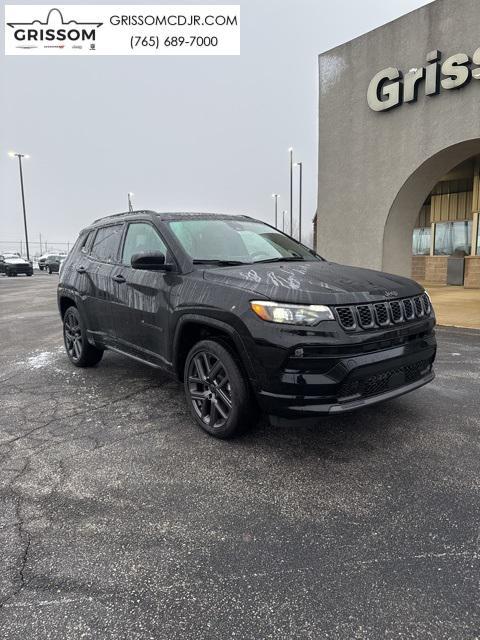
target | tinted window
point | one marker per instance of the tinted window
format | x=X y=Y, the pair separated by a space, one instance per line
x=106 y=243
x=141 y=238
x=86 y=242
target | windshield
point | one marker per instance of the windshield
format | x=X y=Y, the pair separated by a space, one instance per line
x=236 y=241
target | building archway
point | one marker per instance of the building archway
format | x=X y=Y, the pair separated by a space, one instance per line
x=397 y=238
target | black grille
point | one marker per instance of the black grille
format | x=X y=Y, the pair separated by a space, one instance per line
x=365 y=316
x=418 y=306
x=408 y=309
x=381 y=313
x=346 y=317
x=426 y=304
x=382 y=382
x=396 y=311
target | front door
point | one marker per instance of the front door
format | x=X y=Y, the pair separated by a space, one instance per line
x=141 y=298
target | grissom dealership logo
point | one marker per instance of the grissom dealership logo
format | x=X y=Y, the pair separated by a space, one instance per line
x=53 y=30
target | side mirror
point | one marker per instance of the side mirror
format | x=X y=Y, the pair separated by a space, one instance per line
x=154 y=261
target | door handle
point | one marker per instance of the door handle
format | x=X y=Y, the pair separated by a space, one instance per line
x=119 y=278
x=81 y=270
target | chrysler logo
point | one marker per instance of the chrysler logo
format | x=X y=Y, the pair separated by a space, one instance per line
x=53 y=29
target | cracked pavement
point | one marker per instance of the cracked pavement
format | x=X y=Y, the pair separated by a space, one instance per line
x=119 y=518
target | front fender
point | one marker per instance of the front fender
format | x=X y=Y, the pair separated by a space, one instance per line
x=215 y=323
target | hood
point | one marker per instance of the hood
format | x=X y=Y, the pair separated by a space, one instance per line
x=16 y=261
x=314 y=282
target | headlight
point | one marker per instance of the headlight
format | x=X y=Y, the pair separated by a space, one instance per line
x=308 y=314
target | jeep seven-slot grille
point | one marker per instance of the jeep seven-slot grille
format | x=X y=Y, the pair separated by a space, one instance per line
x=383 y=314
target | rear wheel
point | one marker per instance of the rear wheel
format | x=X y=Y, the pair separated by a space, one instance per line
x=217 y=391
x=80 y=352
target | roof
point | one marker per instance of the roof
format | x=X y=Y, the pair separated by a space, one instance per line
x=168 y=215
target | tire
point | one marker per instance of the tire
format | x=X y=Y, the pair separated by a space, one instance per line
x=217 y=390
x=49 y=271
x=79 y=351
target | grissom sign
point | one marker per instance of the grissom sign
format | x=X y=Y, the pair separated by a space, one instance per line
x=104 y=30
x=390 y=88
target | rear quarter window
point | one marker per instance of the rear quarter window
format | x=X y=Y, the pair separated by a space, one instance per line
x=106 y=243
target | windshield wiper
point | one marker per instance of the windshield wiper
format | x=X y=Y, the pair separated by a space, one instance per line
x=221 y=263
x=284 y=259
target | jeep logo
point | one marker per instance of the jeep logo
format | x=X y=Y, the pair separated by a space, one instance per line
x=390 y=88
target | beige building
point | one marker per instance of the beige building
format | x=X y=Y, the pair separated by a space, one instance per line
x=399 y=147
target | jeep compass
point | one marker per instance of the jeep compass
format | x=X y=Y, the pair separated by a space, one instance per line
x=245 y=316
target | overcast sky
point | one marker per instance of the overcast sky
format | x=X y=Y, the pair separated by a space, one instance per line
x=182 y=133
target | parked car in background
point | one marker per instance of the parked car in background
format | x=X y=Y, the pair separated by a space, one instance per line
x=244 y=315
x=11 y=264
x=52 y=263
x=46 y=257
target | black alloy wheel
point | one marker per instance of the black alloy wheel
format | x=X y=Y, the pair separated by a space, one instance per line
x=80 y=352
x=217 y=391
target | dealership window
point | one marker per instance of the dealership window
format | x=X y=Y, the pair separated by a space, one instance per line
x=453 y=237
x=422 y=240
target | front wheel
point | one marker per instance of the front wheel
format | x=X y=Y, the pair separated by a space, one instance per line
x=217 y=390
x=80 y=352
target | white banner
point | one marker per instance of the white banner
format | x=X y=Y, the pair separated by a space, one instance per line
x=122 y=30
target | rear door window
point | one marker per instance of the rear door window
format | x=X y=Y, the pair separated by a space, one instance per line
x=106 y=243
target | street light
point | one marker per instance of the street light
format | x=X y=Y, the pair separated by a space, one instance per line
x=290 y=152
x=284 y=213
x=300 y=177
x=276 y=197
x=13 y=154
x=130 y=194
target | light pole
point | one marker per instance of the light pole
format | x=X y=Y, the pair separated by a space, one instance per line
x=290 y=152
x=284 y=213
x=300 y=177
x=130 y=207
x=276 y=197
x=12 y=154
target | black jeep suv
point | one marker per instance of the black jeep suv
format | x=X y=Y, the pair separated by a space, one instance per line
x=244 y=315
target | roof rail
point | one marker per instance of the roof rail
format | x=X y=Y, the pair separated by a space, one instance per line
x=124 y=213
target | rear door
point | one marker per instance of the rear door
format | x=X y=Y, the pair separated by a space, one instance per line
x=102 y=259
x=142 y=297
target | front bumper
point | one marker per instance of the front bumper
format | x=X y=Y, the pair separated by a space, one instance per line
x=348 y=382
x=19 y=269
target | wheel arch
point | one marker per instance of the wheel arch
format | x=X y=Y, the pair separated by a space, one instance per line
x=192 y=328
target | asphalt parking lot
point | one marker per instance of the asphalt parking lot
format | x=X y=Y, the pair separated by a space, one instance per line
x=119 y=518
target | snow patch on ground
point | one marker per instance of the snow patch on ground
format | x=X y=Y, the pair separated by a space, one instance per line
x=41 y=359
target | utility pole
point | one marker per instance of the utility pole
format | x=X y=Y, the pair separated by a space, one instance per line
x=284 y=213
x=12 y=154
x=300 y=167
x=290 y=152
x=276 y=196
x=130 y=207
